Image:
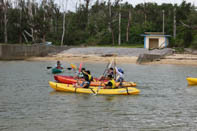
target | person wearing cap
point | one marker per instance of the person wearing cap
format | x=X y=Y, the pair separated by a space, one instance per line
x=120 y=75
x=111 y=84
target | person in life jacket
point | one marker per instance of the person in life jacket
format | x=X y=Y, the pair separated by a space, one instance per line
x=120 y=75
x=59 y=65
x=110 y=71
x=87 y=79
x=111 y=84
x=88 y=75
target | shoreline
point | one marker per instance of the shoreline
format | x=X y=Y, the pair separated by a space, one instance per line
x=85 y=58
x=175 y=59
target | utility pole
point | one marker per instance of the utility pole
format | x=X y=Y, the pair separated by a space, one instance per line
x=174 y=31
x=163 y=22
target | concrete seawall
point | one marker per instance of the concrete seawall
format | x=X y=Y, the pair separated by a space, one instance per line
x=20 y=52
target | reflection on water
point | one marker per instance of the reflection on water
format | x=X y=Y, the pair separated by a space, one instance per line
x=165 y=102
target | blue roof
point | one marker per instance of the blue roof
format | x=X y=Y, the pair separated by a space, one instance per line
x=155 y=35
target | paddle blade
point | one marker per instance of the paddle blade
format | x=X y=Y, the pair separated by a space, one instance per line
x=80 y=66
x=69 y=68
x=49 y=67
x=110 y=65
x=73 y=66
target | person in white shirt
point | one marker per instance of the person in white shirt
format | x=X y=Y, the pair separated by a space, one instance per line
x=120 y=75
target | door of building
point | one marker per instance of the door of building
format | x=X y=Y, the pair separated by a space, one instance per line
x=153 y=43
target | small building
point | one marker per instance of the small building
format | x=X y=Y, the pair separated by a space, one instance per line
x=155 y=40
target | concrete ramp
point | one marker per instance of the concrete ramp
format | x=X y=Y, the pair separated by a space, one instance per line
x=153 y=55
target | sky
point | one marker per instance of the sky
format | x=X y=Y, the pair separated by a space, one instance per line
x=72 y=3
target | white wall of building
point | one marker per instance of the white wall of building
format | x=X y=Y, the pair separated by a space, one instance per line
x=162 y=41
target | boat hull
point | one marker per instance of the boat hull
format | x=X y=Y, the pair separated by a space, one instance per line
x=69 y=80
x=94 y=90
x=56 y=71
x=192 y=81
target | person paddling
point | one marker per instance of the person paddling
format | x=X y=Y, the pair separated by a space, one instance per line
x=111 y=84
x=79 y=74
x=120 y=75
x=59 y=65
x=110 y=71
x=87 y=79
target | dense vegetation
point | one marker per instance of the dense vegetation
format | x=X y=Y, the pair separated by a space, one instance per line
x=29 y=22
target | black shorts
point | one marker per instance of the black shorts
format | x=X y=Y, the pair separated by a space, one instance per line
x=87 y=84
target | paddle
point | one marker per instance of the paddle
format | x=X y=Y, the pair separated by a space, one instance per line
x=80 y=66
x=73 y=66
x=106 y=68
x=69 y=68
x=49 y=67
x=114 y=68
x=102 y=82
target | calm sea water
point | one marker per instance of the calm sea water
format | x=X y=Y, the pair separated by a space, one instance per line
x=27 y=103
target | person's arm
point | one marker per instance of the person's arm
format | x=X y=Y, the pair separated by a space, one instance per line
x=81 y=75
x=119 y=73
x=85 y=72
x=101 y=78
x=76 y=74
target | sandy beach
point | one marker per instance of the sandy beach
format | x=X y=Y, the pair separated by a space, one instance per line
x=121 y=55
